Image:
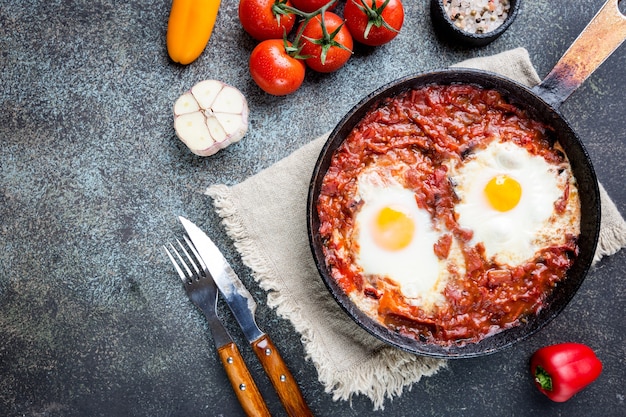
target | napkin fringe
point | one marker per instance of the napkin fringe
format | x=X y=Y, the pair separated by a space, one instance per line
x=612 y=228
x=610 y=242
x=386 y=377
x=393 y=372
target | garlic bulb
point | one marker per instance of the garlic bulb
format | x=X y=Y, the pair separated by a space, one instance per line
x=210 y=116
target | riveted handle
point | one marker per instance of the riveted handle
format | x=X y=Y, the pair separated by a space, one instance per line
x=603 y=35
x=247 y=392
x=284 y=383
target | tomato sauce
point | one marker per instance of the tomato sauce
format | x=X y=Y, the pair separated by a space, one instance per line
x=423 y=128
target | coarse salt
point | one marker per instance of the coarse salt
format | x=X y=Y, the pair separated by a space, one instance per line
x=477 y=16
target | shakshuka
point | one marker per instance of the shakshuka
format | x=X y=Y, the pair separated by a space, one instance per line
x=448 y=214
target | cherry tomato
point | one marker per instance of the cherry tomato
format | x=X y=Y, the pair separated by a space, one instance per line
x=374 y=22
x=309 y=6
x=274 y=70
x=326 y=53
x=262 y=20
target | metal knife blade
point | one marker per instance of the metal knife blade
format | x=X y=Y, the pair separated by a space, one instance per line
x=243 y=307
x=235 y=293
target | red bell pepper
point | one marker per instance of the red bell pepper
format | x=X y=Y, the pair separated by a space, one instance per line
x=562 y=370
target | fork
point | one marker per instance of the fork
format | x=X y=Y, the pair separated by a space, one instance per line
x=202 y=291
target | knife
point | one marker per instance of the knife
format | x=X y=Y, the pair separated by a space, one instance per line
x=243 y=307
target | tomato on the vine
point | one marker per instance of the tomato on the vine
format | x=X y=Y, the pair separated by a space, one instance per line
x=374 y=22
x=274 y=70
x=328 y=50
x=264 y=19
x=309 y=6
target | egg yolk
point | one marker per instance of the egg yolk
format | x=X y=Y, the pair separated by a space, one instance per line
x=392 y=229
x=503 y=192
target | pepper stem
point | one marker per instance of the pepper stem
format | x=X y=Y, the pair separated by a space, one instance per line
x=543 y=378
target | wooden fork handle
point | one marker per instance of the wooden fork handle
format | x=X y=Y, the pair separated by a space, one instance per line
x=247 y=392
x=284 y=383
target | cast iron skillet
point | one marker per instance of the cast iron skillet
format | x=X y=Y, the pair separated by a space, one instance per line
x=602 y=36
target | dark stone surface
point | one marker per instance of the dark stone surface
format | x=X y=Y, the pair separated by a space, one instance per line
x=93 y=322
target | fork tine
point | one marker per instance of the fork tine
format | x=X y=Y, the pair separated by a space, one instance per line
x=182 y=261
x=181 y=274
x=196 y=254
x=191 y=261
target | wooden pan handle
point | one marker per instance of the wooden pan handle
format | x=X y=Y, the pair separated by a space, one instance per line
x=603 y=35
x=247 y=392
x=284 y=383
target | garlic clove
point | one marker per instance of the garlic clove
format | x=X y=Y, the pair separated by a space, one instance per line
x=206 y=91
x=193 y=128
x=217 y=131
x=186 y=104
x=229 y=101
x=232 y=124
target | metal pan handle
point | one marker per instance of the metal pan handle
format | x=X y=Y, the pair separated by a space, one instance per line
x=603 y=35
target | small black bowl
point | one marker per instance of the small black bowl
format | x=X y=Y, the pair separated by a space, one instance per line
x=446 y=28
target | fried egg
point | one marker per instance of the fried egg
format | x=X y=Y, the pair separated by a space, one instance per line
x=395 y=237
x=507 y=198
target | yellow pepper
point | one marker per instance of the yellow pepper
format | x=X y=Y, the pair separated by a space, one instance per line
x=189 y=28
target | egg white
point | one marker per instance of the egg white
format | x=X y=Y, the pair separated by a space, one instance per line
x=415 y=268
x=509 y=237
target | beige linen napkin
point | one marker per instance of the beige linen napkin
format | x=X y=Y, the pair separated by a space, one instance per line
x=269 y=231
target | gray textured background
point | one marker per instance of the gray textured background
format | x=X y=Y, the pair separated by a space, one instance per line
x=93 y=321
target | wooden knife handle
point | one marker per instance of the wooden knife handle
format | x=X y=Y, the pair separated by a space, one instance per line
x=284 y=383
x=247 y=392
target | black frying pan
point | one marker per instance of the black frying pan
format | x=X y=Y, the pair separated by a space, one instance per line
x=602 y=36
